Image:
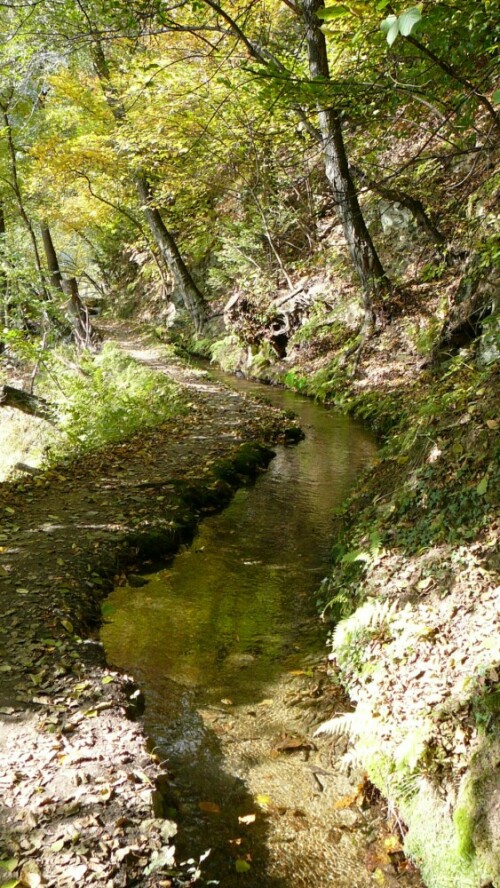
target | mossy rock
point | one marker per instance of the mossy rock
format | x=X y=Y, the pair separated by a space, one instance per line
x=245 y=464
x=161 y=543
x=477 y=814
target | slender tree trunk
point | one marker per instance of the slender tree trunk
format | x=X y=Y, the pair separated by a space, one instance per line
x=363 y=254
x=191 y=296
x=51 y=257
x=3 y=277
x=82 y=331
x=16 y=187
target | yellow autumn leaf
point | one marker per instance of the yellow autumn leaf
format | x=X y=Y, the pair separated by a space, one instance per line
x=392 y=844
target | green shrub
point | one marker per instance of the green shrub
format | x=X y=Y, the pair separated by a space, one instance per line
x=105 y=398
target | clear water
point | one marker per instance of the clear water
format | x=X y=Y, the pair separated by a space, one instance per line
x=215 y=639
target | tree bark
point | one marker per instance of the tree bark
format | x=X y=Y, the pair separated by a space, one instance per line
x=363 y=254
x=3 y=277
x=16 y=187
x=192 y=298
x=51 y=257
x=26 y=403
x=82 y=331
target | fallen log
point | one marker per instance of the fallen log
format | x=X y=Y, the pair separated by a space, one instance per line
x=27 y=403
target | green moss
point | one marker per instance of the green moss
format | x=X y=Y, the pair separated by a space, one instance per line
x=464 y=826
x=432 y=843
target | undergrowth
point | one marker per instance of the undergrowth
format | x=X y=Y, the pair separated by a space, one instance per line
x=102 y=399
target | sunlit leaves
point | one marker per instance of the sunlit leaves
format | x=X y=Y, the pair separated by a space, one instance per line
x=333 y=12
x=401 y=24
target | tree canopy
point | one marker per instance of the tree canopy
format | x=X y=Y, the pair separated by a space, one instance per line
x=195 y=146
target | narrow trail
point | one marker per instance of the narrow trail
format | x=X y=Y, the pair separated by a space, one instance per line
x=78 y=791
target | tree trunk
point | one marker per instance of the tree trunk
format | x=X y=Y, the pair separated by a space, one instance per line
x=363 y=254
x=27 y=403
x=192 y=298
x=82 y=331
x=51 y=257
x=16 y=187
x=3 y=277
x=361 y=248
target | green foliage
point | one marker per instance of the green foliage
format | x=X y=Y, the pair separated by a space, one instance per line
x=401 y=24
x=106 y=398
x=227 y=352
x=328 y=384
x=485 y=705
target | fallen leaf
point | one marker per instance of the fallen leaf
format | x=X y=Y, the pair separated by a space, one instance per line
x=31 y=875
x=76 y=873
x=165 y=857
x=242 y=866
x=482 y=487
x=345 y=802
x=209 y=807
x=9 y=864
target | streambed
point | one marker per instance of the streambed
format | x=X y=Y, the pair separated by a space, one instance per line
x=227 y=647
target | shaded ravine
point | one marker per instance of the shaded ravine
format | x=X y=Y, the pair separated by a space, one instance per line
x=227 y=647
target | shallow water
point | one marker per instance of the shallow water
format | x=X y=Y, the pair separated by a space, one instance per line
x=226 y=644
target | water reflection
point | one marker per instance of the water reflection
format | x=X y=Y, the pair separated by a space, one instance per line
x=232 y=614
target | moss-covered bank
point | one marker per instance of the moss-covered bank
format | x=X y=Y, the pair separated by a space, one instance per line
x=415 y=586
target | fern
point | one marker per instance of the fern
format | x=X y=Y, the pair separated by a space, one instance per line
x=341 y=725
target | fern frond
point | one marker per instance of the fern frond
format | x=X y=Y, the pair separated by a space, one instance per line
x=339 y=725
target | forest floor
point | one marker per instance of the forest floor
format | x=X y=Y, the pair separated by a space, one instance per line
x=80 y=795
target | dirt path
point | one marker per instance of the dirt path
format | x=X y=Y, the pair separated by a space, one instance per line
x=80 y=797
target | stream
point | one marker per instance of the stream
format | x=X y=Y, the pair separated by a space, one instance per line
x=227 y=646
